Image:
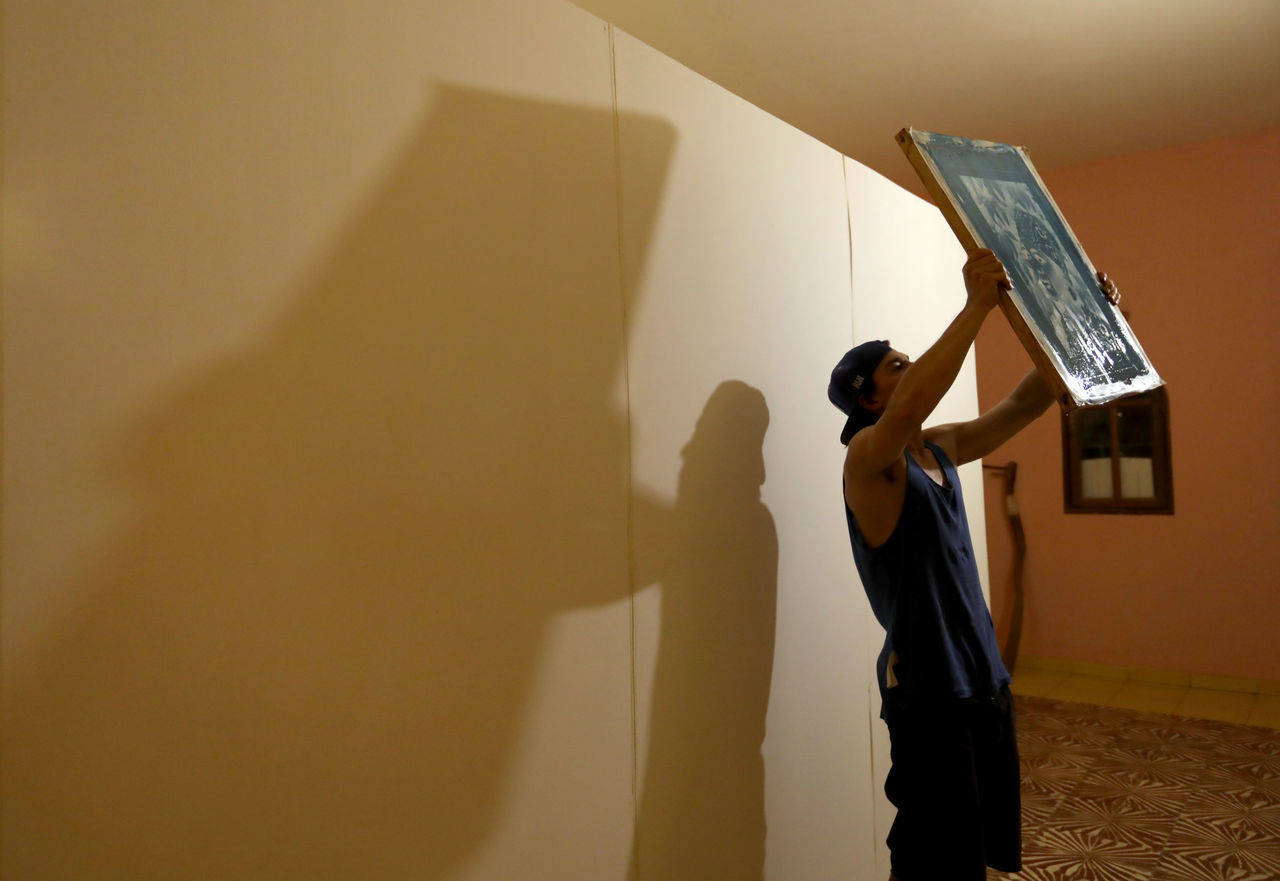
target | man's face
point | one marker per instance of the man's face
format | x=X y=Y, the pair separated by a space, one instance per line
x=887 y=376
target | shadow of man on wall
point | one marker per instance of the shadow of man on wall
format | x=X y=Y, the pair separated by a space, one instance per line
x=312 y=655
x=702 y=813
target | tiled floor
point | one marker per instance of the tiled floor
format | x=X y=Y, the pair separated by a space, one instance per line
x=1143 y=794
x=1201 y=703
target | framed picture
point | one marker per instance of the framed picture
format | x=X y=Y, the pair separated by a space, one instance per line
x=993 y=198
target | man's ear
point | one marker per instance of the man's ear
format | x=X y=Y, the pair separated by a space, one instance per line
x=868 y=402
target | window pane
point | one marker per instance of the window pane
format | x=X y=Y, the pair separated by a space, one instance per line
x=1137 y=478
x=1095 y=478
x=1135 y=427
x=1093 y=432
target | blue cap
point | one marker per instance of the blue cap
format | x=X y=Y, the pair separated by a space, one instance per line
x=848 y=379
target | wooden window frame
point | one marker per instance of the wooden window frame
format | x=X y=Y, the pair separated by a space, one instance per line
x=1161 y=462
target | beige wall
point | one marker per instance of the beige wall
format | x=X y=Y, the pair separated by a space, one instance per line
x=747 y=643
x=417 y=459
x=1190 y=235
x=315 y=552
x=907 y=289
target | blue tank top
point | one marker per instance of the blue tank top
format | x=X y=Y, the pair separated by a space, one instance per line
x=924 y=590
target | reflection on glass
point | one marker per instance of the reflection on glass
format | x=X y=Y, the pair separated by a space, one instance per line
x=1093 y=428
x=1137 y=474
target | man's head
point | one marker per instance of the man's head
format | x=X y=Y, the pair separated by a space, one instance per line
x=853 y=378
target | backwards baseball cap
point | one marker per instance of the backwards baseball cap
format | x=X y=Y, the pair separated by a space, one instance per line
x=849 y=377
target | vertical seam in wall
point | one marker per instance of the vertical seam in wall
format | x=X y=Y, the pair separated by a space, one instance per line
x=848 y=219
x=873 y=694
x=3 y=310
x=626 y=383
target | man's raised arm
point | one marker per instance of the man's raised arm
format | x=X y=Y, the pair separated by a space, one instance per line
x=967 y=441
x=924 y=383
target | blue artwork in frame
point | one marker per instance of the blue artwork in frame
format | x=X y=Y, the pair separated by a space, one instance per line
x=993 y=198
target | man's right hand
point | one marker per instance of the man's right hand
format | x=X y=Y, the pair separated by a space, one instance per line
x=985 y=279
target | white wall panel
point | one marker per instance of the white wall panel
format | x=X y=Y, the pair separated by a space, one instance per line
x=752 y=710
x=342 y=419
x=315 y=559
x=907 y=288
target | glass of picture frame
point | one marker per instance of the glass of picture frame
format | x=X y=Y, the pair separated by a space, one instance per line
x=992 y=197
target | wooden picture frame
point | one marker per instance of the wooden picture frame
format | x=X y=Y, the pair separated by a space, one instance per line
x=993 y=198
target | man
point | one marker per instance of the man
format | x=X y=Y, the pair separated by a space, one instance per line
x=944 y=691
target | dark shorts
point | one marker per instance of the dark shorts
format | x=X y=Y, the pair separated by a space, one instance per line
x=954 y=780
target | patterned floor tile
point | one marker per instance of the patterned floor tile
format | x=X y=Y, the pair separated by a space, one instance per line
x=1224 y=856
x=1172 y=764
x=1112 y=793
x=1209 y=811
x=1036 y=749
x=1232 y=771
x=1076 y=864
x=1122 y=832
x=1136 y=791
x=1050 y=782
x=1037 y=808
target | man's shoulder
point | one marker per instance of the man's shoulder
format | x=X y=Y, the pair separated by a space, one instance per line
x=944 y=437
x=860 y=467
x=874 y=495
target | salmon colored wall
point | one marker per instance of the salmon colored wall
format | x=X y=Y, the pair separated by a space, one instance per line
x=1190 y=235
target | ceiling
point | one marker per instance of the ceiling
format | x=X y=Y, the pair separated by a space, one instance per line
x=1071 y=80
